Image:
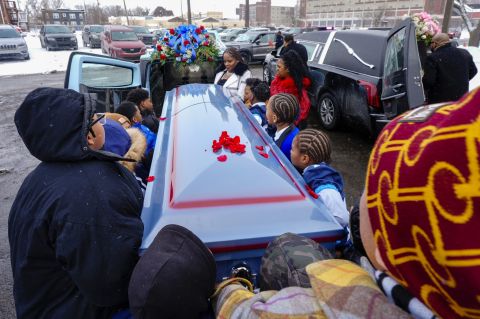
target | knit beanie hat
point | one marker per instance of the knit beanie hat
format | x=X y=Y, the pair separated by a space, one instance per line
x=423 y=199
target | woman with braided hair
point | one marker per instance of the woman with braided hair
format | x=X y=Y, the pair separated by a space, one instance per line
x=282 y=110
x=311 y=150
x=293 y=77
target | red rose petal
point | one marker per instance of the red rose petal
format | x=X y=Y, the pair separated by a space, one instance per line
x=222 y=158
x=311 y=192
x=260 y=148
x=162 y=118
x=150 y=179
x=263 y=154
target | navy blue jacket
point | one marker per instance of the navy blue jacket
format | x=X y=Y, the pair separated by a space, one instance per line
x=74 y=227
x=321 y=175
x=285 y=140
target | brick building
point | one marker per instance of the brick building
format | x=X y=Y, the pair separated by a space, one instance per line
x=8 y=12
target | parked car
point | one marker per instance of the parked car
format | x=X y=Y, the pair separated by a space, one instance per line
x=121 y=42
x=363 y=78
x=231 y=34
x=57 y=36
x=12 y=44
x=144 y=35
x=314 y=49
x=254 y=45
x=91 y=35
x=236 y=220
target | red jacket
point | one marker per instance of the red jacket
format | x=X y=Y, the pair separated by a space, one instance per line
x=287 y=85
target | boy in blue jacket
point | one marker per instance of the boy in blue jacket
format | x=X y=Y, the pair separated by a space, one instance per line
x=310 y=153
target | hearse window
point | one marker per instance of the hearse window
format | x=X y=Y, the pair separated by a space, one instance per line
x=312 y=49
x=100 y=75
x=394 y=54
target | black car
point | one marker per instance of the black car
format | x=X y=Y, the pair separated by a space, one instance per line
x=143 y=35
x=363 y=78
x=57 y=36
x=91 y=35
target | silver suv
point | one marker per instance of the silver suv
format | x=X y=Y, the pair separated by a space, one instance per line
x=12 y=44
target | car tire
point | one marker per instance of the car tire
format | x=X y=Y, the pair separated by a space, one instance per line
x=48 y=48
x=329 y=111
x=267 y=77
x=27 y=57
x=247 y=58
x=75 y=48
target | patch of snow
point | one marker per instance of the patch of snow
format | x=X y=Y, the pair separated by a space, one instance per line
x=41 y=61
x=475 y=52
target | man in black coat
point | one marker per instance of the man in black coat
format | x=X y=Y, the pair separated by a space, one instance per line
x=278 y=40
x=74 y=227
x=447 y=71
x=290 y=44
x=142 y=99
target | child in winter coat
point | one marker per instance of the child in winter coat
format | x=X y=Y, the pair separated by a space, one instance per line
x=282 y=110
x=256 y=96
x=310 y=153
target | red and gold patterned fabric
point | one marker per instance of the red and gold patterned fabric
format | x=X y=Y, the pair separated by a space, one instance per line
x=423 y=198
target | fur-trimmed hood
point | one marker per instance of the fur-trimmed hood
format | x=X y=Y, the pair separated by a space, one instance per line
x=137 y=148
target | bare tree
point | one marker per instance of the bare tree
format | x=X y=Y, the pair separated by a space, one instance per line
x=461 y=7
x=56 y=4
x=139 y=11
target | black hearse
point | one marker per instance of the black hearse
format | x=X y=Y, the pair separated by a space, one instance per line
x=363 y=78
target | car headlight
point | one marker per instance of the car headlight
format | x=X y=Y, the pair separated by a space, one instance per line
x=22 y=45
x=73 y=38
x=95 y=36
x=50 y=39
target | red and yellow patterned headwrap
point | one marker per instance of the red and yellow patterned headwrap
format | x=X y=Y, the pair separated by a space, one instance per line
x=423 y=198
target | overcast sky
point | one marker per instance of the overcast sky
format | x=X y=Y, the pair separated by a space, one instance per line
x=226 y=6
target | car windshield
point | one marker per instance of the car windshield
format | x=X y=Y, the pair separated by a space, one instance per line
x=9 y=33
x=124 y=36
x=57 y=29
x=246 y=37
x=139 y=29
x=96 y=29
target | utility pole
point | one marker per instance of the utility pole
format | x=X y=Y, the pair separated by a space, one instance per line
x=247 y=13
x=189 y=13
x=447 y=15
x=126 y=12
x=181 y=8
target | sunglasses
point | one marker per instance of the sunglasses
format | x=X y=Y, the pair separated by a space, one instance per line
x=100 y=118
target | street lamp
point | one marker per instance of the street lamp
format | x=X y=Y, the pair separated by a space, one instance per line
x=126 y=12
x=189 y=12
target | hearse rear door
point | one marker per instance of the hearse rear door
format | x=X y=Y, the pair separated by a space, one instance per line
x=402 y=80
x=111 y=79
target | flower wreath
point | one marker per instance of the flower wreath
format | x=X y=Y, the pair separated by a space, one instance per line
x=186 y=44
x=425 y=27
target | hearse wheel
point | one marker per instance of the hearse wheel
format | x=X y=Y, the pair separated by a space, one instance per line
x=329 y=111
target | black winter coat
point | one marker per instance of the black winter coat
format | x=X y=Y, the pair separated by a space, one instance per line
x=150 y=120
x=74 y=228
x=447 y=73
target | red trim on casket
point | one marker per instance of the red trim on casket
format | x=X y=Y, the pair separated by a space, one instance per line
x=226 y=201
x=236 y=201
x=219 y=250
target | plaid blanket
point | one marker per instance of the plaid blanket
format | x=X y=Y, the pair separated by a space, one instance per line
x=340 y=289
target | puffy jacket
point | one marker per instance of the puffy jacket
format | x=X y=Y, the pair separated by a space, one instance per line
x=74 y=227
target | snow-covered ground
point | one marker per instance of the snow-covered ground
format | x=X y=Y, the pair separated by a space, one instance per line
x=41 y=60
